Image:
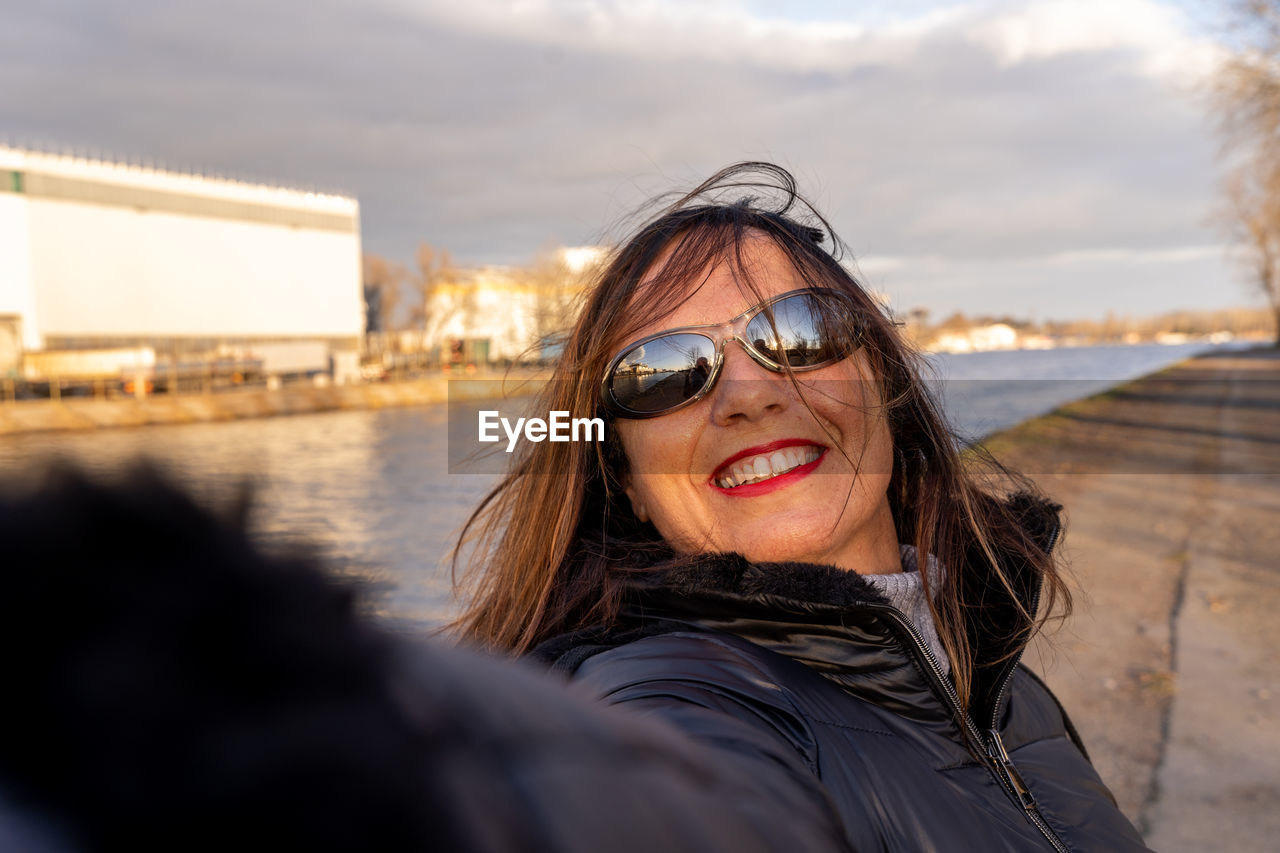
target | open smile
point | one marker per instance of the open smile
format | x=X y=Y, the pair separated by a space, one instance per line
x=746 y=472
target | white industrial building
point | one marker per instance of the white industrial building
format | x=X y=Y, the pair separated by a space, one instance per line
x=97 y=254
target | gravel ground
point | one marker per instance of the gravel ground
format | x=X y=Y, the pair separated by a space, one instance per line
x=1171 y=486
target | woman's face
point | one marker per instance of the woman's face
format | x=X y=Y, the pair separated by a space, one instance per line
x=685 y=467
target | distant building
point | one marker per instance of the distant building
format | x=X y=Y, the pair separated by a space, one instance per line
x=482 y=315
x=492 y=314
x=996 y=336
x=96 y=254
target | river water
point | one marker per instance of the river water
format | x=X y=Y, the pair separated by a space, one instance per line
x=372 y=488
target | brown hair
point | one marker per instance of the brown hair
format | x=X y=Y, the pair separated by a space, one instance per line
x=552 y=547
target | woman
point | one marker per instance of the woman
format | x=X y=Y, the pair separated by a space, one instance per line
x=742 y=556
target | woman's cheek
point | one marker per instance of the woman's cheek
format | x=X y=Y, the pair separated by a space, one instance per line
x=659 y=462
x=658 y=499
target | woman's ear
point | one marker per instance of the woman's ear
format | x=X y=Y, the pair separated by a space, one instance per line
x=618 y=456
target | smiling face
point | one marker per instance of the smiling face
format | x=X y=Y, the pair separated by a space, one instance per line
x=750 y=468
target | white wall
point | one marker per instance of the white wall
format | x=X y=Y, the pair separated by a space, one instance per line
x=16 y=293
x=108 y=270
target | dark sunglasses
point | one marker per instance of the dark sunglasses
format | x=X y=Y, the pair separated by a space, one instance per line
x=798 y=330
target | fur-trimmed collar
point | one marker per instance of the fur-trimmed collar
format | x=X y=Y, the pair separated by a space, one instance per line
x=731 y=574
x=804 y=606
x=812 y=585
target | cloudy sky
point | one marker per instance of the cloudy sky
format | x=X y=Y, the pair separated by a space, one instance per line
x=1044 y=158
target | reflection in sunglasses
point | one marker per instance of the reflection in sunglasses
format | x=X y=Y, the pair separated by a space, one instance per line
x=800 y=330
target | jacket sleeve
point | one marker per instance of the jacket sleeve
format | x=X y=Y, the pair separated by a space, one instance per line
x=706 y=687
x=531 y=765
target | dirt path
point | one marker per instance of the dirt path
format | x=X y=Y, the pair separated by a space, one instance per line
x=1169 y=665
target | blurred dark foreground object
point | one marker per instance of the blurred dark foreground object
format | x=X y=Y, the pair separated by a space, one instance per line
x=168 y=685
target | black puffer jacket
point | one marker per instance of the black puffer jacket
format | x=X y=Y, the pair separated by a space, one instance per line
x=787 y=661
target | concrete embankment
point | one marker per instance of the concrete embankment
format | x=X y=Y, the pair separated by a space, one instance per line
x=73 y=413
x=1171 y=486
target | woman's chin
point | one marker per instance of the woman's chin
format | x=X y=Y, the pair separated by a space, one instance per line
x=867 y=544
x=797 y=547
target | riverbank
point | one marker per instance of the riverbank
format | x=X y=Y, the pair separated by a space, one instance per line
x=982 y=393
x=1171 y=485
x=74 y=413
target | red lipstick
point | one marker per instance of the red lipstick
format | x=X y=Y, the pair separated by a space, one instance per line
x=773 y=483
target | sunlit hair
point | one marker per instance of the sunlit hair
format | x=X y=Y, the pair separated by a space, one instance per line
x=554 y=545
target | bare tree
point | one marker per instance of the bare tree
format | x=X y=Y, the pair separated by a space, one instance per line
x=1254 y=206
x=435 y=267
x=1246 y=100
x=382 y=283
x=558 y=287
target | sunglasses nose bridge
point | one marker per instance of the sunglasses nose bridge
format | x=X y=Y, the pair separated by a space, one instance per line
x=749 y=348
x=722 y=337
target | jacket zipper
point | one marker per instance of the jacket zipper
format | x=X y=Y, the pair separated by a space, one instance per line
x=1000 y=760
x=999 y=763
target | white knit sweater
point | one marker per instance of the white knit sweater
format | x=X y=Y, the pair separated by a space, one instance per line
x=906 y=592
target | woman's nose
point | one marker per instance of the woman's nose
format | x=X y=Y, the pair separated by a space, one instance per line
x=745 y=391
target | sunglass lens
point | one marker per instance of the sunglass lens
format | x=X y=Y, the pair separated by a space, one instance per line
x=663 y=373
x=807 y=330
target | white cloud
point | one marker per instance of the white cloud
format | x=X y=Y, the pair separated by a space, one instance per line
x=880 y=264
x=877 y=265
x=1154 y=34
x=1081 y=282
x=988 y=153
x=648 y=29
x=1180 y=254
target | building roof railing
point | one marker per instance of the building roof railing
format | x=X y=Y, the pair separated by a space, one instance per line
x=62 y=177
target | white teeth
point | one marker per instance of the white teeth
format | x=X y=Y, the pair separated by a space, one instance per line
x=757 y=468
